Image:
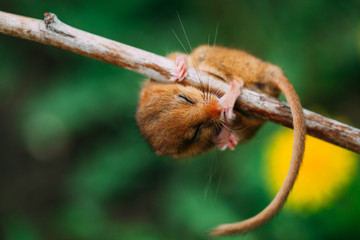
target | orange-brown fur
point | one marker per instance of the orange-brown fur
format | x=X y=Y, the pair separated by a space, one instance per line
x=167 y=125
x=164 y=120
x=226 y=64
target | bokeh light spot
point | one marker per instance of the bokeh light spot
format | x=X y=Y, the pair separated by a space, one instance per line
x=326 y=169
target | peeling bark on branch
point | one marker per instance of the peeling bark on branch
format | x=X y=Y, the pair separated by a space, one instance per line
x=51 y=31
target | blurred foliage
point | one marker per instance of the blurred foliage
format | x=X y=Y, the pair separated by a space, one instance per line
x=74 y=166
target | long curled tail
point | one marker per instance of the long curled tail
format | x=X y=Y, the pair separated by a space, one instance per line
x=298 y=150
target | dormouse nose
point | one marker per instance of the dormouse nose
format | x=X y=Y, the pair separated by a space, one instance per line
x=213 y=109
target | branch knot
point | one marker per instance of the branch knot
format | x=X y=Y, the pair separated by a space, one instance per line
x=51 y=20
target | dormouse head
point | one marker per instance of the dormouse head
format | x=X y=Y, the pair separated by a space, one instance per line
x=177 y=120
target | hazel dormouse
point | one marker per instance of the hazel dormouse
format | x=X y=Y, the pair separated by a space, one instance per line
x=183 y=121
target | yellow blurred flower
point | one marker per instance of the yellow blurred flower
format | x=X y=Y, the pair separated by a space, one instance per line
x=325 y=170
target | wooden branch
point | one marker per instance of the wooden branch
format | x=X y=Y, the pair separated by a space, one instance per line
x=52 y=31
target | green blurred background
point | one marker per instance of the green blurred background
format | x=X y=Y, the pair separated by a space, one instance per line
x=74 y=166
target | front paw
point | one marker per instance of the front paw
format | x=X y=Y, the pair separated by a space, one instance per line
x=228 y=100
x=226 y=139
x=180 y=69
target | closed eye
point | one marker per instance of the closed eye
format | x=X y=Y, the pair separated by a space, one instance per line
x=197 y=130
x=216 y=76
x=186 y=99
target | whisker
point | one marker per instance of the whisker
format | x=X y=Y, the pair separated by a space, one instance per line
x=182 y=26
x=197 y=70
x=177 y=37
x=218 y=126
x=207 y=75
x=224 y=136
x=216 y=33
x=225 y=125
x=219 y=181
x=207 y=80
x=217 y=92
x=196 y=65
